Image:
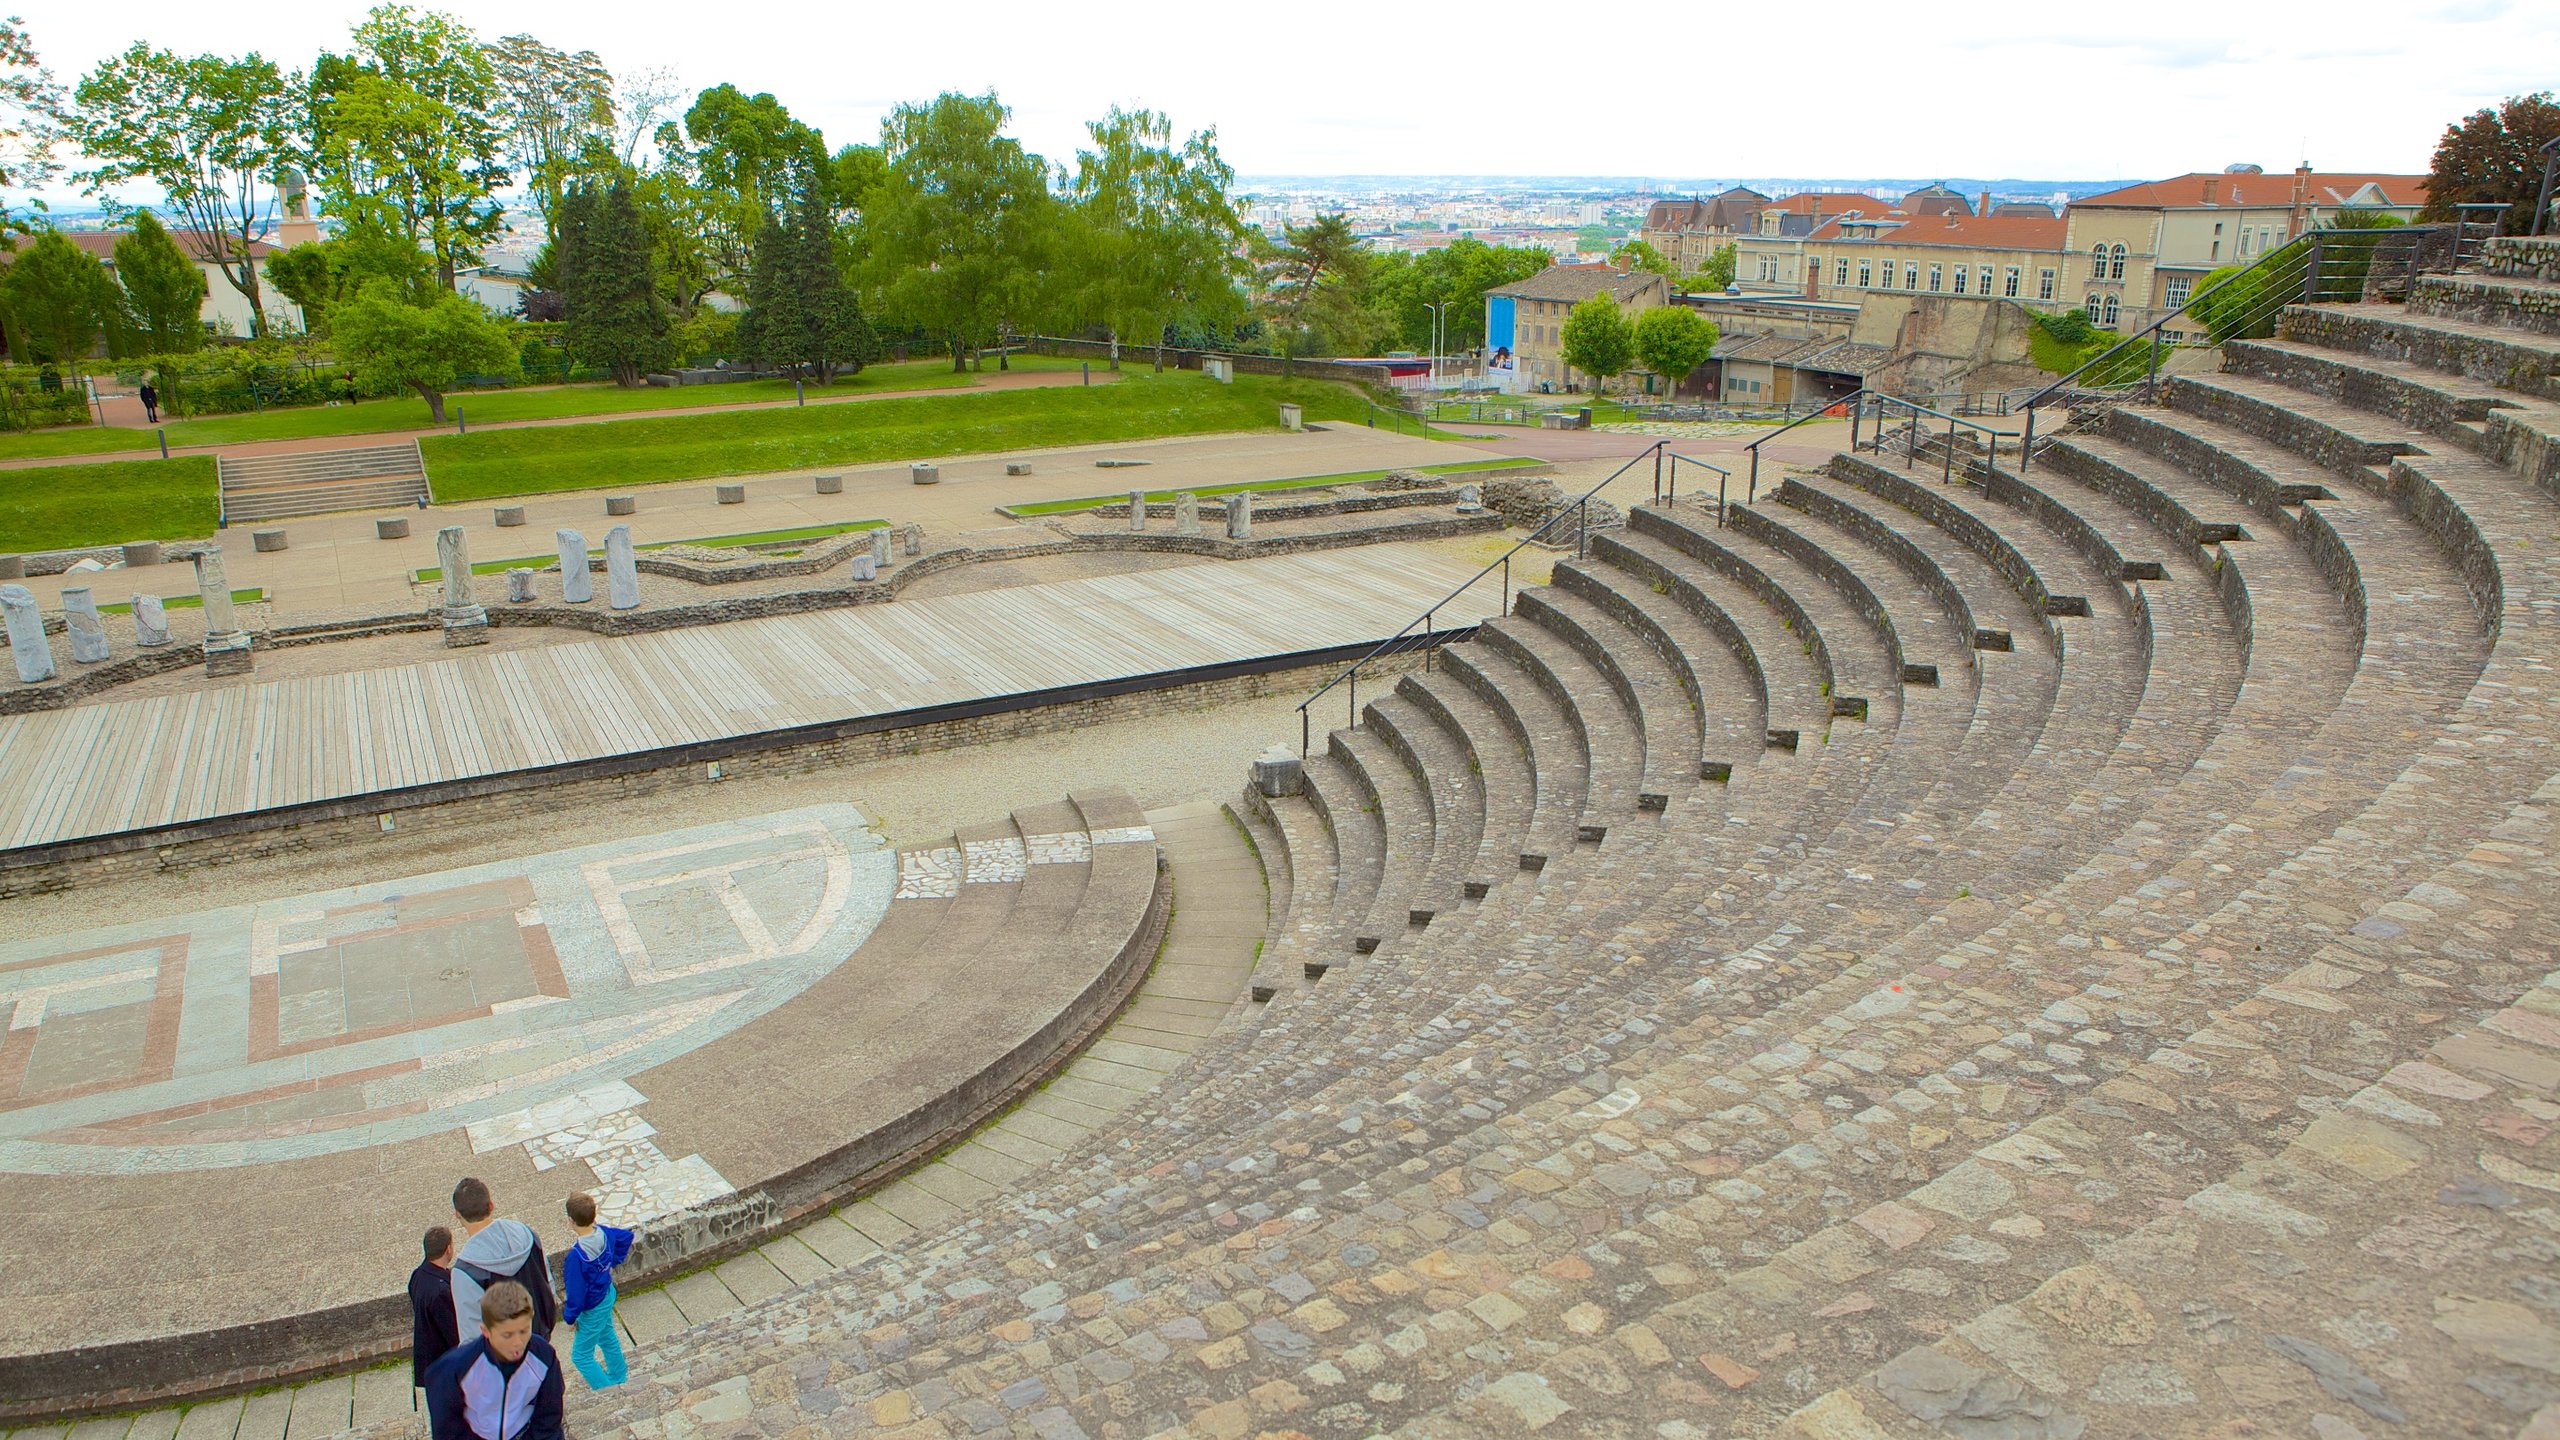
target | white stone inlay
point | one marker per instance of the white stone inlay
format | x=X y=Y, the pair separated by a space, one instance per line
x=928 y=874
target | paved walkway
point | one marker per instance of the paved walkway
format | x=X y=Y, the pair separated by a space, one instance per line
x=133 y=764
x=336 y=566
x=1209 y=950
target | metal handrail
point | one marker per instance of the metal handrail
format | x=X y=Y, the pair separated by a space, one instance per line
x=1753 y=449
x=1992 y=435
x=1578 y=507
x=2288 y=253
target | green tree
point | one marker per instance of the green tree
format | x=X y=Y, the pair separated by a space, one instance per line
x=616 y=316
x=416 y=129
x=1156 y=233
x=1316 y=293
x=210 y=132
x=1454 y=276
x=33 y=114
x=2493 y=156
x=1598 y=341
x=558 y=112
x=801 y=315
x=317 y=274
x=961 y=227
x=743 y=157
x=163 y=290
x=398 y=341
x=1636 y=254
x=59 y=299
x=1673 y=340
x=1717 y=273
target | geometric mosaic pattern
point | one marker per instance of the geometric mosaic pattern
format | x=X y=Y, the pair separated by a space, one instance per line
x=939 y=872
x=384 y=1012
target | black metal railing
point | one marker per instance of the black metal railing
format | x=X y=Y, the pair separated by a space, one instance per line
x=1423 y=631
x=2333 y=266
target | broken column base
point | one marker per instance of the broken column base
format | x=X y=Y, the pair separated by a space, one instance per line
x=227 y=655
x=466 y=627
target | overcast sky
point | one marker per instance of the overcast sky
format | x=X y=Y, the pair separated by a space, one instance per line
x=2065 y=89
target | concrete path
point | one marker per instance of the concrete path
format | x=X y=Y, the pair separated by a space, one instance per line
x=1219 y=909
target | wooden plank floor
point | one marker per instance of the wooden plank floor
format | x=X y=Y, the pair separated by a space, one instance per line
x=103 y=768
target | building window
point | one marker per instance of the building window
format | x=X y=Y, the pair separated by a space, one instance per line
x=2112 y=313
x=1959 y=279
x=2098 y=261
x=2044 y=284
x=1843 y=277
x=1986 y=279
x=1865 y=280
x=1937 y=278
x=2115 y=264
x=2009 y=282
x=1910 y=275
x=2091 y=305
x=2179 y=286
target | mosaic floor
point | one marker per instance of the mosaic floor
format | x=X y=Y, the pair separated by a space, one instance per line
x=506 y=1001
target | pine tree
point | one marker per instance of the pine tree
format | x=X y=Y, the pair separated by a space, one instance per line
x=616 y=317
x=163 y=290
x=801 y=315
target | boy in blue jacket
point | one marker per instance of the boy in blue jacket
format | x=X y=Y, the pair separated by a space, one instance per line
x=505 y=1384
x=587 y=1274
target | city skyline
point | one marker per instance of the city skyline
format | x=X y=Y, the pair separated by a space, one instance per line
x=2016 y=89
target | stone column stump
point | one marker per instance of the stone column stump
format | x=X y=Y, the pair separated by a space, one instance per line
x=267 y=541
x=394 y=527
x=729 y=494
x=622 y=504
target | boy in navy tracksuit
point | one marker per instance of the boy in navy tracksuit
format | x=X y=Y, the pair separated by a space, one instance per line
x=505 y=1384
x=586 y=1272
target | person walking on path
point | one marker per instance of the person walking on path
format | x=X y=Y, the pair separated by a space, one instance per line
x=495 y=1250
x=505 y=1384
x=432 y=1326
x=150 y=398
x=586 y=1274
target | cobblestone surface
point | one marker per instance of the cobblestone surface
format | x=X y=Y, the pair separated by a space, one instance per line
x=2149 y=1029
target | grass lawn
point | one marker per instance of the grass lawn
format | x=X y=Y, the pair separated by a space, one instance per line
x=1262 y=487
x=656 y=449
x=753 y=537
x=253 y=595
x=556 y=402
x=106 y=502
x=76 y=440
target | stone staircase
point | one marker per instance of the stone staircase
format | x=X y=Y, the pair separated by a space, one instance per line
x=278 y=487
x=2063 y=954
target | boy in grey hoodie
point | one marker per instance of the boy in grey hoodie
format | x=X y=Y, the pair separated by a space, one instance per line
x=494 y=1250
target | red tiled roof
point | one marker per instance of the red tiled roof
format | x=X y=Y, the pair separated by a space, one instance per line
x=2260 y=191
x=1968 y=232
x=1828 y=202
x=102 y=243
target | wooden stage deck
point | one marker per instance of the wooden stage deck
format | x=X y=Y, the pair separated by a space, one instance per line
x=109 y=767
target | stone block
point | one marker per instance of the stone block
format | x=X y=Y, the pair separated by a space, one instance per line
x=509 y=516
x=622 y=504
x=577 y=581
x=860 y=567
x=13 y=567
x=1137 y=509
x=80 y=618
x=830 y=484
x=27 y=645
x=393 y=527
x=729 y=494
x=923 y=473
x=880 y=547
x=1240 y=515
x=1279 y=772
x=911 y=540
x=265 y=541
x=150 y=621
x=228 y=657
x=519 y=584
x=141 y=553
x=1017 y=467
x=1292 y=418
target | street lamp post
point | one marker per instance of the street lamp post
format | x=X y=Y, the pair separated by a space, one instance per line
x=1438 y=312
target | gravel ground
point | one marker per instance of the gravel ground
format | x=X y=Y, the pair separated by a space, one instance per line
x=1161 y=759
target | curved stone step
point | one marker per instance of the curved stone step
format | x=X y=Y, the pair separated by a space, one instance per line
x=2519 y=360
x=1405 y=818
x=1649 y=674
x=1547 y=739
x=1343 y=801
x=1711 y=659
x=1304 y=949
x=2522 y=303
x=1596 y=720
x=1438 y=762
x=1504 y=780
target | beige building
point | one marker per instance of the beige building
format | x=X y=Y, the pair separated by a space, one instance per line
x=1689 y=232
x=1536 y=310
x=226 y=310
x=1981 y=257
x=2132 y=255
x=1769 y=260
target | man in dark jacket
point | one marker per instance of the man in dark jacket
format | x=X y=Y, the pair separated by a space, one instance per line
x=505 y=1384
x=432 y=1330
x=494 y=1249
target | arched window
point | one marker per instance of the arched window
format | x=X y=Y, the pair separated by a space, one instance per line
x=2098 y=261
x=2112 y=312
x=2092 y=307
x=2115 y=265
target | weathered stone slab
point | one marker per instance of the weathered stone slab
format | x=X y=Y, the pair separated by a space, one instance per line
x=621 y=569
x=32 y=653
x=150 y=621
x=577 y=582
x=80 y=618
